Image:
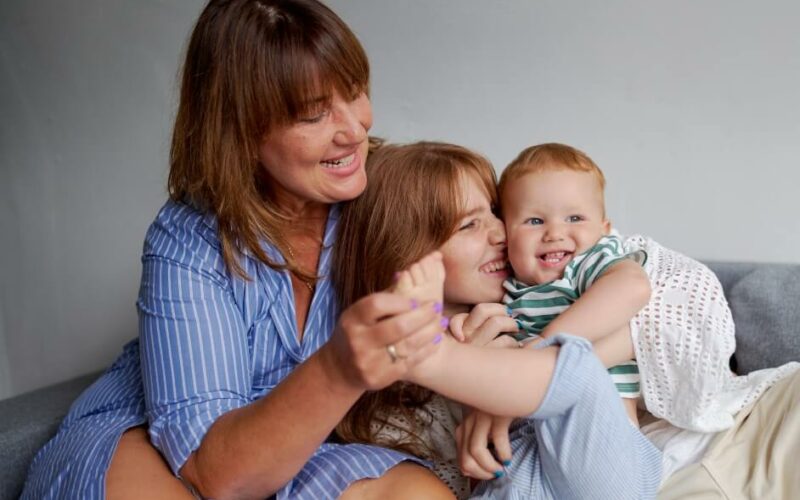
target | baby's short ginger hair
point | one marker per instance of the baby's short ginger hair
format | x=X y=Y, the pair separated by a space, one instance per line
x=548 y=157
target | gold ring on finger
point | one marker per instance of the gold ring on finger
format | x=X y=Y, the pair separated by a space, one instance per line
x=392 y=351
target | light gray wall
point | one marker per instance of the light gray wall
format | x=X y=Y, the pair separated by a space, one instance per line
x=86 y=92
x=691 y=108
x=5 y=373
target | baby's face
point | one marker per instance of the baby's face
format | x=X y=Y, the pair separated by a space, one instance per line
x=551 y=217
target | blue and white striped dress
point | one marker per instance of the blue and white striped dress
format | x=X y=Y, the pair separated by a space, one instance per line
x=208 y=343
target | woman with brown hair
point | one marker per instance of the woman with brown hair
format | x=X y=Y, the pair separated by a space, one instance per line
x=414 y=205
x=243 y=365
x=573 y=439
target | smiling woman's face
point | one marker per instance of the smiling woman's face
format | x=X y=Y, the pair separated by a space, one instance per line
x=320 y=158
x=475 y=256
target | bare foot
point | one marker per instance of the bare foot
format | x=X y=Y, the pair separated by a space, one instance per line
x=423 y=281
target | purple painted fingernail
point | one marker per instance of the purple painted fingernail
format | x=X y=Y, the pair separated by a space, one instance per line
x=509 y=311
x=498 y=474
x=506 y=462
x=437 y=338
x=445 y=322
x=437 y=307
x=414 y=304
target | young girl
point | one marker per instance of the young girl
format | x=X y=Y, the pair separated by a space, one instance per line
x=574 y=439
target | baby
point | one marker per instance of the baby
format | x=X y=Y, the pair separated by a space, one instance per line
x=570 y=273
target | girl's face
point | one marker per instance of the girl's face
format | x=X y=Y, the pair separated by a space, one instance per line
x=475 y=256
x=320 y=159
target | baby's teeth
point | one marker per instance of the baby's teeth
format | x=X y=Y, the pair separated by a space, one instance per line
x=554 y=257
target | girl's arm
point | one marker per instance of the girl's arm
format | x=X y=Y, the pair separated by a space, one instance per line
x=509 y=382
x=606 y=306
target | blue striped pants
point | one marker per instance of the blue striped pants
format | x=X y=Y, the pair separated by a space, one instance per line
x=579 y=444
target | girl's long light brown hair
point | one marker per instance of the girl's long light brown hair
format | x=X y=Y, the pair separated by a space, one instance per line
x=252 y=66
x=412 y=205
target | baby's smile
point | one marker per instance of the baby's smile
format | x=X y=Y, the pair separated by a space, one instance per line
x=555 y=259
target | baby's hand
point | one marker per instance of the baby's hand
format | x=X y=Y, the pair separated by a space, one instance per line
x=423 y=281
x=457 y=326
x=483 y=325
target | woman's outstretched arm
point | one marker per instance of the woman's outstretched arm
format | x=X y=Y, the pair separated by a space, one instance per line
x=510 y=382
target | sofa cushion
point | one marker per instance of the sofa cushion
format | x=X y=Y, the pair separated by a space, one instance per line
x=765 y=300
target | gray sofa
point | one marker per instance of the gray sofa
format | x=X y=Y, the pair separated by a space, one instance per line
x=764 y=299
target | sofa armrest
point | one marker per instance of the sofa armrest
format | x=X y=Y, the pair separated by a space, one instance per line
x=27 y=422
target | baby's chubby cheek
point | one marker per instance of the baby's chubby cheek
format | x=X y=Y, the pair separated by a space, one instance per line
x=521 y=261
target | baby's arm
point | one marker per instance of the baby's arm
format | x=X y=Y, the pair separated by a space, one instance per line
x=603 y=315
x=615 y=348
x=606 y=306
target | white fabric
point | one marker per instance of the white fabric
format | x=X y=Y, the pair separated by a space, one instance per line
x=684 y=339
x=679 y=447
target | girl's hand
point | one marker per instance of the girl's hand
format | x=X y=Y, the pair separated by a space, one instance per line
x=473 y=437
x=359 y=350
x=483 y=324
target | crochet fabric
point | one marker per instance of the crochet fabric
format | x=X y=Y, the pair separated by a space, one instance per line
x=684 y=339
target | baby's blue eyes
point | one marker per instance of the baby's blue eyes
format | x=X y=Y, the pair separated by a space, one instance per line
x=536 y=221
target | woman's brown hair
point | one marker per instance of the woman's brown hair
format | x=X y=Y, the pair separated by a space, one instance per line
x=252 y=66
x=412 y=205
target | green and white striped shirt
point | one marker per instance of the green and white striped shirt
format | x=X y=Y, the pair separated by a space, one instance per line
x=535 y=306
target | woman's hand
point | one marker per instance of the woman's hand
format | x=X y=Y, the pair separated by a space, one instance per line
x=473 y=437
x=482 y=326
x=381 y=337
